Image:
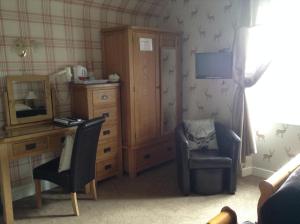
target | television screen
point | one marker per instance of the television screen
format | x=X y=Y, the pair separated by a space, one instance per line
x=217 y=65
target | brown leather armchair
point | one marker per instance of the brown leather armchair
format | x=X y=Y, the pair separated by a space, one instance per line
x=211 y=171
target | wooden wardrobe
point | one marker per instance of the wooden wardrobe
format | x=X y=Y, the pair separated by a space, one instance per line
x=148 y=63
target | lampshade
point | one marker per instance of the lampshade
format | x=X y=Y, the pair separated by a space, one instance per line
x=31 y=96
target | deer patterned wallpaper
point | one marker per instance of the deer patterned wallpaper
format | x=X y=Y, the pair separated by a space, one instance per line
x=275 y=146
x=207 y=26
x=67 y=33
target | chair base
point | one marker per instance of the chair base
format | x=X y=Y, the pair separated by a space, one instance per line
x=207 y=181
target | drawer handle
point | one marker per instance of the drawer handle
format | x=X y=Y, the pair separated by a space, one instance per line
x=106 y=132
x=104 y=97
x=106 y=150
x=30 y=146
x=108 y=167
x=105 y=114
x=147 y=156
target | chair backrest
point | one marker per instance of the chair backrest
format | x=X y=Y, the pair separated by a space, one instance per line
x=84 y=153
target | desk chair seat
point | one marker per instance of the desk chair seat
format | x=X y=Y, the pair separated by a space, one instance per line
x=82 y=171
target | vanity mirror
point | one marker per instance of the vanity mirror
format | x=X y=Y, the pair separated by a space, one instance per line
x=27 y=100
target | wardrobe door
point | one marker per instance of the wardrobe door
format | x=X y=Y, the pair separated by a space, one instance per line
x=146 y=86
x=170 y=92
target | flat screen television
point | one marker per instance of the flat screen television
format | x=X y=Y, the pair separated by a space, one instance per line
x=214 y=65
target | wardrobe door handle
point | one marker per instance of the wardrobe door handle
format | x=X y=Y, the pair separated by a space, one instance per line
x=106 y=150
x=104 y=97
x=106 y=114
x=147 y=156
x=31 y=146
x=108 y=167
x=106 y=132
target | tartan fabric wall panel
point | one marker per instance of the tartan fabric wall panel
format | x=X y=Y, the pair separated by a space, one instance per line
x=66 y=33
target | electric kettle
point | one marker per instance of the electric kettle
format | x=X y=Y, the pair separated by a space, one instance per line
x=80 y=73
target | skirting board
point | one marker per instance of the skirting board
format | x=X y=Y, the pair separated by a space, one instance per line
x=255 y=171
x=29 y=189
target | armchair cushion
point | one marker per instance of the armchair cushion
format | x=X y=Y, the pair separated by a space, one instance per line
x=204 y=162
x=200 y=134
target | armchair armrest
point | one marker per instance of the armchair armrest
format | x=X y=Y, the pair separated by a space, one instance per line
x=180 y=137
x=227 y=133
x=226 y=216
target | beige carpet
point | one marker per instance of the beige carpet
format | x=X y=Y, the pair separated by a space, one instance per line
x=150 y=198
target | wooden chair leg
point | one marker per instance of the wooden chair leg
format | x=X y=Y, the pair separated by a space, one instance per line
x=38 y=197
x=94 y=189
x=74 y=203
x=88 y=188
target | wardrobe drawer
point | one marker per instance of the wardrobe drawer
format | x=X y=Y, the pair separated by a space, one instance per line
x=167 y=151
x=106 y=168
x=108 y=131
x=104 y=97
x=30 y=147
x=111 y=114
x=107 y=149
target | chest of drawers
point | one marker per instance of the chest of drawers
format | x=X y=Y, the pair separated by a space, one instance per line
x=90 y=101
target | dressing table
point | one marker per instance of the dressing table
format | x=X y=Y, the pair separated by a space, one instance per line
x=29 y=130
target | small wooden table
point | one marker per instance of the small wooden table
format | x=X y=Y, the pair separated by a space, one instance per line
x=26 y=142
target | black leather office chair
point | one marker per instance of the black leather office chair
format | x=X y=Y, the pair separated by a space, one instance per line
x=208 y=171
x=82 y=169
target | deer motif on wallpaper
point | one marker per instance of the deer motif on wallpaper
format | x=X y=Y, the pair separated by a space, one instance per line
x=290 y=153
x=207 y=95
x=186 y=75
x=228 y=7
x=193 y=87
x=186 y=38
x=217 y=36
x=200 y=108
x=214 y=114
x=281 y=132
x=210 y=17
x=202 y=32
x=268 y=156
x=179 y=21
x=166 y=18
x=260 y=137
x=194 y=12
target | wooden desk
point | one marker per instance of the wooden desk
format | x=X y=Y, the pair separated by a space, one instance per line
x=25 y=142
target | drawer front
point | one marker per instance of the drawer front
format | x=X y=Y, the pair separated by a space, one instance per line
x=30 y=147
x=56 y=142
x=104 y=97
x=106 y=168
x=148 y=157
x=108 y=131
x=111 y=114
x=107 y=149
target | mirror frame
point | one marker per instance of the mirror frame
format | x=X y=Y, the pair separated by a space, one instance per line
x=13 y=120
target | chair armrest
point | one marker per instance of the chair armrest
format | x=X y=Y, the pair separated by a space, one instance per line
x=227 y=133
x=226 y=216
x=180 y=137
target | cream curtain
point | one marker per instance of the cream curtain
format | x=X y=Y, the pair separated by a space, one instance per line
x=251 y=58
